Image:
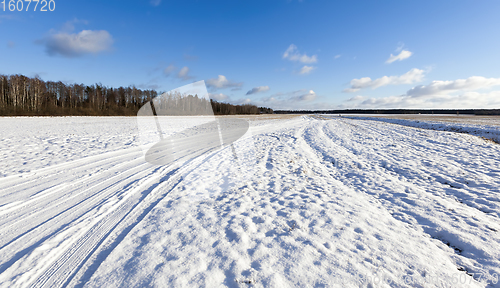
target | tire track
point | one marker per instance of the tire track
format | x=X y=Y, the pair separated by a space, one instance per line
x=83 y=254
x=414 y=213
x=32 y=225
x=91 y=263
x=60 y=221
x=42 y=201
x=29 y=184
x=82 y=248
x=155 y=194
x=60 y=202
x=458 y=191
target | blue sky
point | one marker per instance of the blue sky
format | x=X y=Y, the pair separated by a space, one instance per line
x=283 y=54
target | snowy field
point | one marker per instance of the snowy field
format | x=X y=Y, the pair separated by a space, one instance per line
x=306 y=201
x=487 y=127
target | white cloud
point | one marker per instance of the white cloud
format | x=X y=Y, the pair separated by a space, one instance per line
x=218 y=96
x=184 y=73
x=293 y=54
x=467 y=100
x=221 y=82
x=337 y=56
x=356 y=98
x=410 y=77
x=306 y=69
x=296 y=100
x=78 y=44
x=308 y=96
x=446 y=87
x=404 y=54
x=169 y=70
x=258 y=90
x=457 y=94
x=295 y=96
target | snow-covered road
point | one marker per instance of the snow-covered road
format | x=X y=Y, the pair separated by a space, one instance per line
x=322 y=201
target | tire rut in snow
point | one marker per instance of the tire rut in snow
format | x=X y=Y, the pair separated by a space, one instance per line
x=411 y=212
x=64 y=269
x=36 y=182
x=77 y=265
x=55 y=214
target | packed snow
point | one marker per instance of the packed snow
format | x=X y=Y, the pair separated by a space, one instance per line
x=302 y=201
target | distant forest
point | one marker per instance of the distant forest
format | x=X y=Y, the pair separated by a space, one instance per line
x=25 y=96
x=395 y=111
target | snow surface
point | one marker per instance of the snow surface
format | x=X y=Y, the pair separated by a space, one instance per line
x=487 y=127
x=307 y=201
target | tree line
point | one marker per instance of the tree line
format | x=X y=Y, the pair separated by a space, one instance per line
x=395 y=111
x=229 y=109
x=25 y=96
